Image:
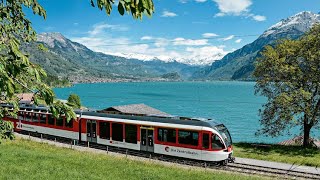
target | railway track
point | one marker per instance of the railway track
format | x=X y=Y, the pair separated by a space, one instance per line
x=231 y=167
x=272 y=172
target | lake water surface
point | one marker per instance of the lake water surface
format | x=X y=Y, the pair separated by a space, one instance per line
x=232 y=103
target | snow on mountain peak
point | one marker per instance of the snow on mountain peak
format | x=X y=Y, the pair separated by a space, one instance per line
x=196 y=60
x=301 y=22
x=49 y=38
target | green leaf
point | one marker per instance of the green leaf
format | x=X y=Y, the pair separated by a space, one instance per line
x=121 y=9
x=42 y=47
x=92 y=3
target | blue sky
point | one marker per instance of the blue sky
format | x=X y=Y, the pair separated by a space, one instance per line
x=179 y=28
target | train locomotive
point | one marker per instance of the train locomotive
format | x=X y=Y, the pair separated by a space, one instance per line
x=192 y=138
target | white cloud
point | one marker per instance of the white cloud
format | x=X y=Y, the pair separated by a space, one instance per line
x=146 y=38
x=238 y=41
x=232 y=7
x=190 y=42
x=236 y=8
x=200 y=1
x=209 y=35
x=100 y=27
x=192 y=51
x=259 y=18
x=99 y=43
x=108 y=43
x=207 y=50
x=206 y=53
x=168 y=14
x=227 y=38
x=183 y=1
x=160 y=42
x=220 y=14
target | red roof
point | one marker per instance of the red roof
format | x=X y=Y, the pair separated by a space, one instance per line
x=25 y=97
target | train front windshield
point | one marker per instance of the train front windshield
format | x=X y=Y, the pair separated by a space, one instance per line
x=225 y=134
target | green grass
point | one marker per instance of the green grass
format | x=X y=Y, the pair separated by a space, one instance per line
x=23 y=159
x=287 y=154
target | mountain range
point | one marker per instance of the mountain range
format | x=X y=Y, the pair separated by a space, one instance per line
x=67 y=59
x=239 y=64
x=198 y=60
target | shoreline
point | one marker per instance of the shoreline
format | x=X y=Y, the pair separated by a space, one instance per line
x=143 y=81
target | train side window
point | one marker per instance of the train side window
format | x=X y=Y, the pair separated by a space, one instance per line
x=117 y=132
x=35 y=117
x=68 y=124
x=21 y=115
x=188 y=137
x=160 y=134
x=104 y=130
x=216 y=142
x=43 y=118
x=59 y=121
x=205 y=140
x=28 y=116
x=131 y=133
x=50 y=119
x=167 y=135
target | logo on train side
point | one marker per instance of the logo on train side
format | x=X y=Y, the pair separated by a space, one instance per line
x=181 y=151
x=166 y=149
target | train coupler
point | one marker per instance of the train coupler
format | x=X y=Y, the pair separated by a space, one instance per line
x=231 y=159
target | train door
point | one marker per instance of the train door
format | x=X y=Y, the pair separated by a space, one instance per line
x=205 y=146
x=92 y=131
x=147 y=139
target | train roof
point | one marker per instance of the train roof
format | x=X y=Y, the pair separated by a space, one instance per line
x=161 y=119
x=135 y=109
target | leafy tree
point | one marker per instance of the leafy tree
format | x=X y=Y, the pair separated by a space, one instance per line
x=17 y=71
x=136 y=7
x=74 y=101
x=289 y=76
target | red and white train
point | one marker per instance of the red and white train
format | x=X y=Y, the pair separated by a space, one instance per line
x=192 y=138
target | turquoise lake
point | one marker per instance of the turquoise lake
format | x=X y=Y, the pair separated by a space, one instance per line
x=232 y=103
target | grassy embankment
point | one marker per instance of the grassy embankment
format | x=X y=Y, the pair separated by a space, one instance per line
x=23 y=159
x=287 y=154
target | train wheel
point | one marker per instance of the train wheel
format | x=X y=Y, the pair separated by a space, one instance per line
x=223 y=162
